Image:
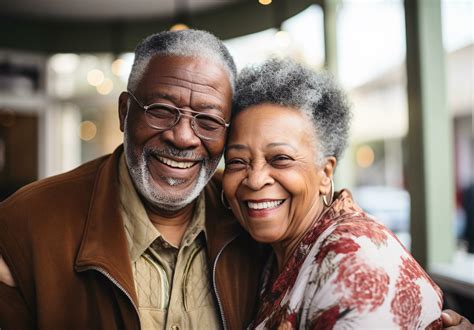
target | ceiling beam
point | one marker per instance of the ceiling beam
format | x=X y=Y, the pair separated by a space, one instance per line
x=65 y=36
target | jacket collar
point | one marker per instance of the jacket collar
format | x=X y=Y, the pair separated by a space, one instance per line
x=221 y=226
x=104 y=244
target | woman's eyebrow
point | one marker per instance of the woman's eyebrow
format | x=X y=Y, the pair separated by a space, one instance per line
x=237 y=146
x=280 y=144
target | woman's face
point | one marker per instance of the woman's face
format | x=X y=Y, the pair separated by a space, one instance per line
x=271 y=177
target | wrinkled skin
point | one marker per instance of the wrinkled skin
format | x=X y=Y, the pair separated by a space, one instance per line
x=185 y=82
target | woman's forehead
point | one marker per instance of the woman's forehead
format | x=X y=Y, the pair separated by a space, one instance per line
x=270 y=123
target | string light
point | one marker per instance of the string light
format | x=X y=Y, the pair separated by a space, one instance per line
x=179 y=27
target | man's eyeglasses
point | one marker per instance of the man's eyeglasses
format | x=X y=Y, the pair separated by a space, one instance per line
x=164 y=116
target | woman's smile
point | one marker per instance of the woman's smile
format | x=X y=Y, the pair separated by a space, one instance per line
x=263 y=207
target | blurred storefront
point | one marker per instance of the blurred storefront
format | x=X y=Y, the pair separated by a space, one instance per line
x=60 y=110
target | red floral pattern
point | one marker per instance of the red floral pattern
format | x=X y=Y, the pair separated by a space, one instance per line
x=362 y=286
x=326 y=320
x=410 y=270
x=330 y=279
x=406 y=306
x=342 y=246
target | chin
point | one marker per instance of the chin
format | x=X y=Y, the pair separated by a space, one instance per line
x=161 y=195
x=171 y=198
x=264 y=236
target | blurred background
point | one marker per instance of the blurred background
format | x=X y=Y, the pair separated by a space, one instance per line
x=408 y=67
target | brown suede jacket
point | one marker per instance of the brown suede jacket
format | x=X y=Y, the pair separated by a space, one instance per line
x=64 y=241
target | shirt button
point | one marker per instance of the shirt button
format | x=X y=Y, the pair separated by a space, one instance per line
x=174 y=327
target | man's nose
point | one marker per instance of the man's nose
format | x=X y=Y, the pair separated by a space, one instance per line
x=258 y=177
x=182 y=134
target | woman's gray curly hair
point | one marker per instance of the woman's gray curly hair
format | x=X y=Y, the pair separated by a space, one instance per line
x=287 y=83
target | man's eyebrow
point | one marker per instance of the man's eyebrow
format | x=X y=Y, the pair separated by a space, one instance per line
x=174 y=100
x=161 y=95
x=237 y=146
x=209 y=106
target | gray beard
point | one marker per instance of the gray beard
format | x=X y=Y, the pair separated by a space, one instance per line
x=143 y=180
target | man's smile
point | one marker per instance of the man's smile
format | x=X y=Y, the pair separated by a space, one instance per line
x=176 y=164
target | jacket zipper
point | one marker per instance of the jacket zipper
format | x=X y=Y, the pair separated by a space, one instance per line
x=117 y=284
x=219 y=303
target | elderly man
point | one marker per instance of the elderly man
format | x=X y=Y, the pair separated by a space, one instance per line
x=138 y=238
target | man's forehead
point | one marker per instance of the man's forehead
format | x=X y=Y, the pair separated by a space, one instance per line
x=182 y=70
x=199 y=67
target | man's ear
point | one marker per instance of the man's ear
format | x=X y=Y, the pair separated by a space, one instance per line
x=123 y=109
x=327 y=171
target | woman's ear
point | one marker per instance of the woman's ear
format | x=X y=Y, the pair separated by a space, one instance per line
x=123 y=109
x=327 y=171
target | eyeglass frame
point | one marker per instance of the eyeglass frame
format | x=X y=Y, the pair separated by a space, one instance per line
x=180 y=113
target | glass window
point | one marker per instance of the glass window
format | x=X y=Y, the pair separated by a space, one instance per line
x=371 y=54
x=458 y=39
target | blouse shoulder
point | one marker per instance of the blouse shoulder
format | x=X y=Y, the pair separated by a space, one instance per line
x=368 y=279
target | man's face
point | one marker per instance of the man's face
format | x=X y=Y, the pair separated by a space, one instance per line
x=171 y=167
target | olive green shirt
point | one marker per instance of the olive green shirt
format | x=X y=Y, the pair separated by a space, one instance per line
x=173 y=283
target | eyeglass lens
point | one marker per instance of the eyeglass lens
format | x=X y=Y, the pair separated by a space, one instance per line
x=163 y=117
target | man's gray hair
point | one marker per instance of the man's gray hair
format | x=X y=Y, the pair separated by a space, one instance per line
x=287 y=83
x=192 y=43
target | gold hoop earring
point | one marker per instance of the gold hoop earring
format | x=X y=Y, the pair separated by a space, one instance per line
x=223 y=201
x=325 y=201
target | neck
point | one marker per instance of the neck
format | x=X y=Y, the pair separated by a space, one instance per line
x=171 y=224
x=284 y=249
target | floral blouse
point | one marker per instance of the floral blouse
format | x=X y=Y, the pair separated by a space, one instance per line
x=349 y=272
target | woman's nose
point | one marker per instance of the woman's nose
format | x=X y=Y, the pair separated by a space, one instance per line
x=258 y=177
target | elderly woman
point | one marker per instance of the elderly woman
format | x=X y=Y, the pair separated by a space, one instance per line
x=332 y=266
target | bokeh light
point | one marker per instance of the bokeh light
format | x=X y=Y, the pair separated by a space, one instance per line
x=87 y=130
x=117 y=66
x=365 y=156
x=95 y=77
x=106 y=87
x=64 y=63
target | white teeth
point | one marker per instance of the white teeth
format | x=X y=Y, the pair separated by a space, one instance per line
x=175 y=164
x=264 y=205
